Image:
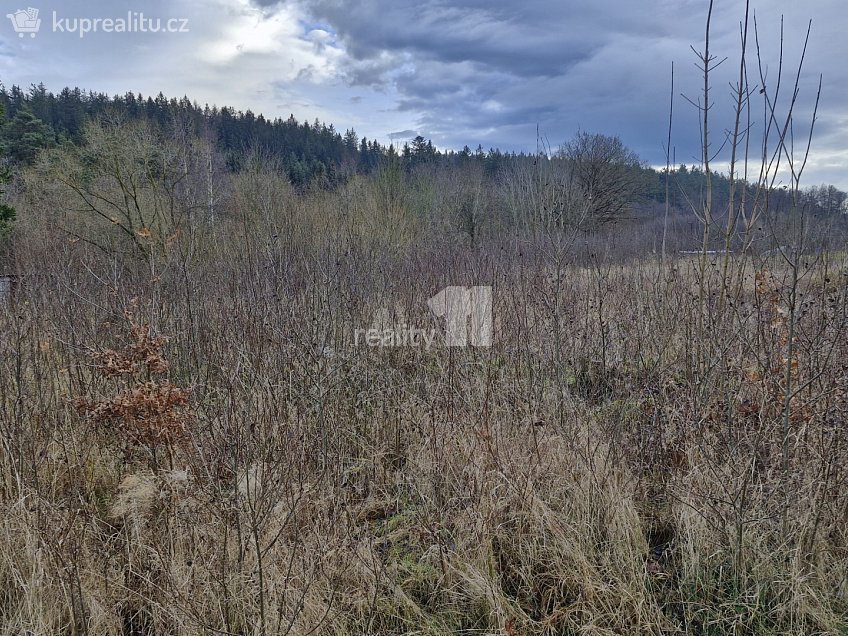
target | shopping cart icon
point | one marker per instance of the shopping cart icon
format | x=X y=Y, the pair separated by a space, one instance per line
x=25 y=21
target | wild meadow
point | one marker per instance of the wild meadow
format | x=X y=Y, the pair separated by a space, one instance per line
x=196 y=440
x=193 y=443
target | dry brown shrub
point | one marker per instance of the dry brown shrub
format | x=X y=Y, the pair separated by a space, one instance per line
x=145 y=411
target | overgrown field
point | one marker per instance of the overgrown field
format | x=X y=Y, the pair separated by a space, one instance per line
x=194 y=444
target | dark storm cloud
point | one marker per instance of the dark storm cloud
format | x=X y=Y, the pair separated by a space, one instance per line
x=471 y=71
x=533 y=38
x=402 y=134
x=469 y=67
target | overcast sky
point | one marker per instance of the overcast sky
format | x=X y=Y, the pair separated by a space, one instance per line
x=461 y=72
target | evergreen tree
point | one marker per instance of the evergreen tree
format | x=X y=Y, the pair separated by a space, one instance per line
x=7 y=212
x=24 y=136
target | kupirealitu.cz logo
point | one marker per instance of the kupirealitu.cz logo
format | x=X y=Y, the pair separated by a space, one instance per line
x=27 y=22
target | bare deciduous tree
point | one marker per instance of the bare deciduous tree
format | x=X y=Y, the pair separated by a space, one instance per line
x=604 y=171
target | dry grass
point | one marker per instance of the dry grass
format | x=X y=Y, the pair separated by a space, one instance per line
x=605 y=468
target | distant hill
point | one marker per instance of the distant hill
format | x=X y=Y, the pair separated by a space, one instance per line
x=311 y=154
